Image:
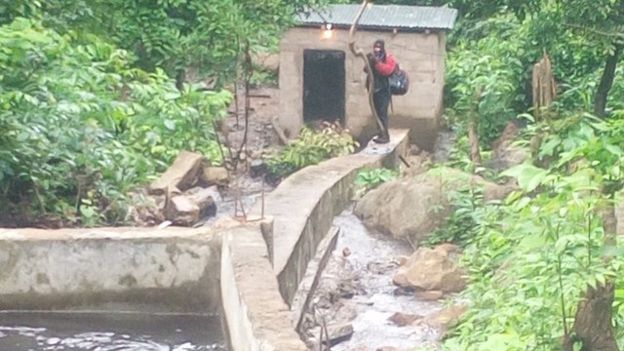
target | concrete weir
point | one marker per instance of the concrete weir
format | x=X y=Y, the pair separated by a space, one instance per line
x=249 y=273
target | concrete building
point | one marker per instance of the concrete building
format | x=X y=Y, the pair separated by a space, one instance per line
x=320 y=79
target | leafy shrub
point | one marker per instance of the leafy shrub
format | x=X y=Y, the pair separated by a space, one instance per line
x=485 y=76
x=81 y=128
x=208 y=36
x=310 y=148
x=532 y=258
x=371 y=178
x=461 y=225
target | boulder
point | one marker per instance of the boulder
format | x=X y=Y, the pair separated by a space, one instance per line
x=192 y=206
x=145 y=210
x=403 y=319
x=181 y=175
x=431 y=269
x=339 y=333
x=214 y=176
x=412 y=207
x=447 y=318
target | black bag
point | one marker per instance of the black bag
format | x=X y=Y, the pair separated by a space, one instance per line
x=399 y=82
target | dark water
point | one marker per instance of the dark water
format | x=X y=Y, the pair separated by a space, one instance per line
x=78 y=331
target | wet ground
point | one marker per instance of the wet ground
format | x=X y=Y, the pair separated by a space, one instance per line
x=357 y=286
x=78 y=331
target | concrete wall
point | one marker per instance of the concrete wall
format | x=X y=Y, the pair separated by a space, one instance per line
x=421 y=55
x=305 y=204
x=191 y=270
x=74 y=269
x=226 y=270
x=257 y=317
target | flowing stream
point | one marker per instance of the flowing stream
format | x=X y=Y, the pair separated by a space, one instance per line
x=371 y=299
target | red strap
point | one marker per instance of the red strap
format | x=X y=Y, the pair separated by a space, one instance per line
x=386 y=68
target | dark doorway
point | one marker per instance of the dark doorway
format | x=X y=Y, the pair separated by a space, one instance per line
x=323 y=85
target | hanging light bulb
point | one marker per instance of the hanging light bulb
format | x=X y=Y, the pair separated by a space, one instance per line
x=327 y=31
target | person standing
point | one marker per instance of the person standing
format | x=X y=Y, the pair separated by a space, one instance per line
x=383 y=65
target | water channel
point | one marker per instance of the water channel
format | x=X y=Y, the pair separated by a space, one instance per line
x=106 y=331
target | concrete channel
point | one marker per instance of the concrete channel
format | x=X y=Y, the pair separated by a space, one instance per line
x=248 y=274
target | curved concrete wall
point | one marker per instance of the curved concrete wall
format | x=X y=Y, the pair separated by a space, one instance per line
x=257 y=317
x=298 y=215
x=305 y=204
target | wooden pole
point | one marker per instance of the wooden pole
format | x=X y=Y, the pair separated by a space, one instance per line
x=369 y=70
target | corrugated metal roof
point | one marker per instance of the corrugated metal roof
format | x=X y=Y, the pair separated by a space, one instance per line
x=383 y=17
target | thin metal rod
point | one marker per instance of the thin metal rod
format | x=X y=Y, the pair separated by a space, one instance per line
x=262 y=211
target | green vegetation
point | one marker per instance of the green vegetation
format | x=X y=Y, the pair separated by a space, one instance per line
x=82 y=127
x=95 y=96
x=310 y=148
x=371 y=178
x=532 y=257
x=545 y=264
x=95 y=99
x=210 y=37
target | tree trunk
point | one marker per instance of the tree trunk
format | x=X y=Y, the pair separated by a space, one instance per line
x=473 y=136
x=180 y=78
x=592 y=323
x=606 y=81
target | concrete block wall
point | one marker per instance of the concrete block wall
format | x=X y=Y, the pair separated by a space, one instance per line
x=421 y=54
x=76 y=268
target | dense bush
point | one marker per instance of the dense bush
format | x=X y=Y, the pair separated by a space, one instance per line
x=486 y=74
x=81 y=127
x=531 y=258
x=208 y=37
x=310 y=148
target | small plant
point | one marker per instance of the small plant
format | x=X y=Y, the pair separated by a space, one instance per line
x=461 y=225
x=310 y=148
x=369 y=179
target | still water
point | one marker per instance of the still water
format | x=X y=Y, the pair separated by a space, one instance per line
x=96 y=331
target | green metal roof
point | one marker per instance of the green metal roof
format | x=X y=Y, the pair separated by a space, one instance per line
x=383 y=17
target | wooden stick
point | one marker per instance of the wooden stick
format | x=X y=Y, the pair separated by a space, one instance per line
x=369 y=70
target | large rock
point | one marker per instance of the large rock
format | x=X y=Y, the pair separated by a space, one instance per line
x=431 y=269
x=403 y=319
x=182 y=175
x=412 y=207
x=192 y=206
x=214 y=176
x=447 y=318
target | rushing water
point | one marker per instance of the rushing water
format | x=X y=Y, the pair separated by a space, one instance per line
x=78 y=331
x=372 y=258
